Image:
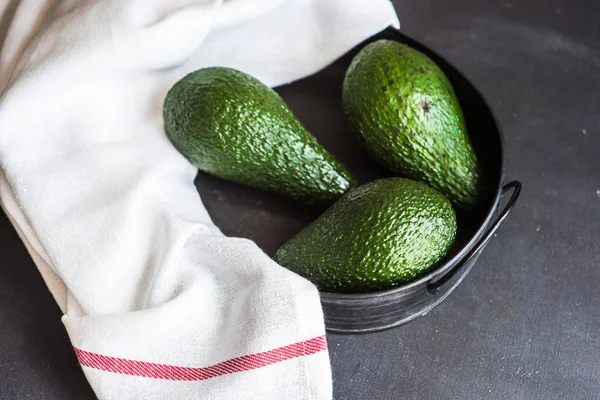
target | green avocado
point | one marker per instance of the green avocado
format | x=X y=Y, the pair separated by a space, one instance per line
x=376 y=236
x=406 y=114
x=230 y=125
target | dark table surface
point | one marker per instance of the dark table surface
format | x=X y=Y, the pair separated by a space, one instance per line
x=525 y=323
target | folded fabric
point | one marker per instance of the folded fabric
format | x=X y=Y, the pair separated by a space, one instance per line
x=157 y=302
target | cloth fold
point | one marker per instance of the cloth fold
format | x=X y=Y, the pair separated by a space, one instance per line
x=157 y=302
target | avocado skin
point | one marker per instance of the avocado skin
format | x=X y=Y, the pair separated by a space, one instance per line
x=232 y=126
x=406 y=114
x=376 y=236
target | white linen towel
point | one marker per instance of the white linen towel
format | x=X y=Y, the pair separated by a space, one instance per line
x=157 y=302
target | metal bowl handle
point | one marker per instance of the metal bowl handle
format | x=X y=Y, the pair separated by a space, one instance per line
x=436 y=283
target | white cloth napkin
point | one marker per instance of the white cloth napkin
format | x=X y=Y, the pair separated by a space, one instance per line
x=157 y=302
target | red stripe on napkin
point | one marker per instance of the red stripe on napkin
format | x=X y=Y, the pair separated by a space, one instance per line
x=163 y=371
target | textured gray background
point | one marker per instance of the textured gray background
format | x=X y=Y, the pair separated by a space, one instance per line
x=524 y=324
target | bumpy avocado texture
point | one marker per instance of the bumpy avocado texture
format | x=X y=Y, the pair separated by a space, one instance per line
x=232 y=126
x=406 y=114
x=376 y=236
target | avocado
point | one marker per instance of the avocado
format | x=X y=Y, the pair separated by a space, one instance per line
x=376 y=236
x=232 y=126
x=406 y=114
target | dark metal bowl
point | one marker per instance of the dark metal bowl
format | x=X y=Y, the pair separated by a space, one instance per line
x=270 y=220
